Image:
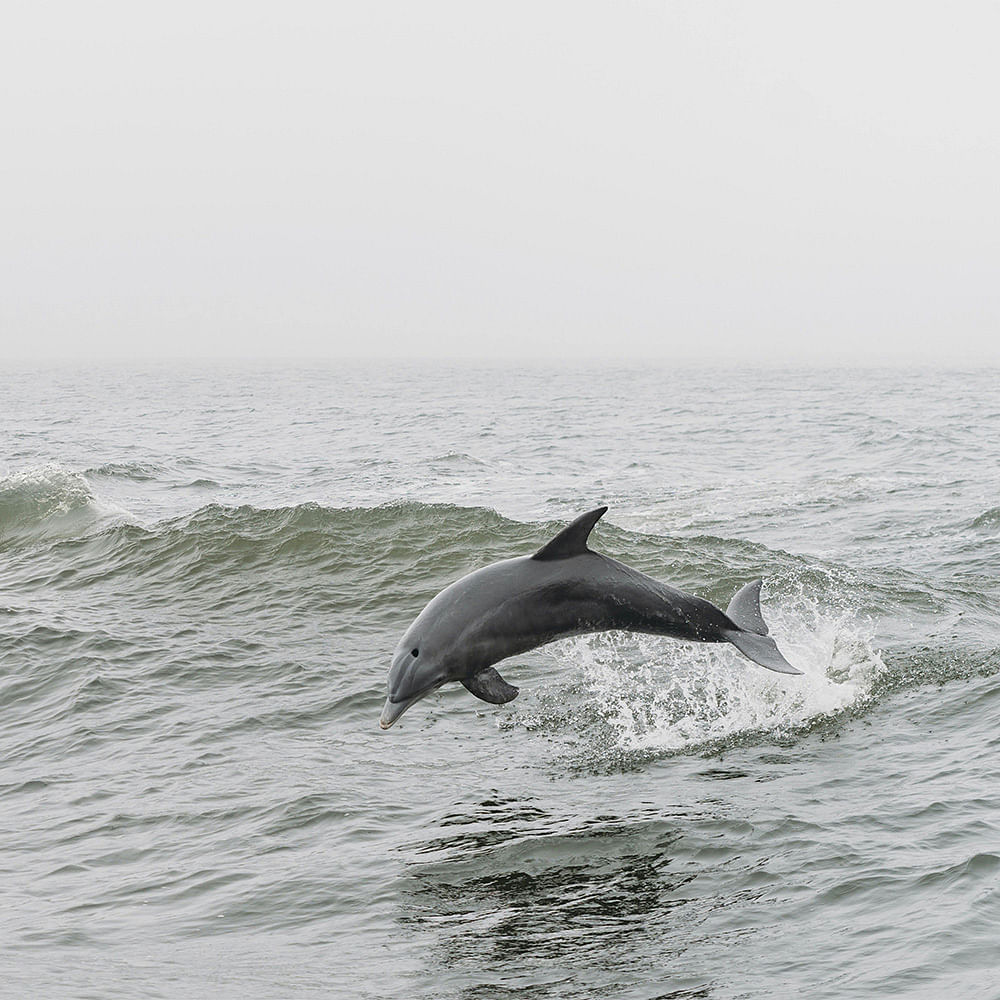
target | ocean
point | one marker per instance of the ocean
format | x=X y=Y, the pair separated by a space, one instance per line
x=203 y=575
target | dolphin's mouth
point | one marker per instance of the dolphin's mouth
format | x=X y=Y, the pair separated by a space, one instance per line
x=392 y=710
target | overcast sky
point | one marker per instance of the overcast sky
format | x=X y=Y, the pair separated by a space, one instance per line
x=655 y=180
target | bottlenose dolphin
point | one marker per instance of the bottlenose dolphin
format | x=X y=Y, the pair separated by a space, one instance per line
x=563 y=589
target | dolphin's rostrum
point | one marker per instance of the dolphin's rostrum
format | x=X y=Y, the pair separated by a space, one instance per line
x=564 y=589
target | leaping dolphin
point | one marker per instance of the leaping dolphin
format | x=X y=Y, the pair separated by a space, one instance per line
x=563 y=589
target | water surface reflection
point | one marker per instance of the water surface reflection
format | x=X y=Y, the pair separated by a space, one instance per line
x=511 y=894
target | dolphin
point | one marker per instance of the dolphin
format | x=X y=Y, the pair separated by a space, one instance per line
x=563 y=589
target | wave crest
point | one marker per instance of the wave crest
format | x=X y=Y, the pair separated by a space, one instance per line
x=139 y=472
x=988 y=519
x=45 y=502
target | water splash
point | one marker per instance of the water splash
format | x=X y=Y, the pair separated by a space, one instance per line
x=648 y=696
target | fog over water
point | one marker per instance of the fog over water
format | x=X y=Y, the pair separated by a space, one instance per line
x=715 y=181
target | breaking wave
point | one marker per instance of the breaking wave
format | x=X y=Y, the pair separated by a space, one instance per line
x=49 y=502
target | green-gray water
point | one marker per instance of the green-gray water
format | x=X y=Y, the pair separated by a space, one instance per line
x=203 y=575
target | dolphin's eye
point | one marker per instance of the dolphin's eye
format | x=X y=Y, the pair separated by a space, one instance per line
x=415 y=652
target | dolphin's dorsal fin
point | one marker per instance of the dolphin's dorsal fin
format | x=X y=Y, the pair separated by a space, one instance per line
x=572 y=540
x=491 y=687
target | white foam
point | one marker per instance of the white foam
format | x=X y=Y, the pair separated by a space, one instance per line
x=50 y=501
x=659 y=695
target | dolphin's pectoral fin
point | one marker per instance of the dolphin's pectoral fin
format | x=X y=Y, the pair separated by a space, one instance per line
x=491 y=687
x=572 y=540
x=744 y=608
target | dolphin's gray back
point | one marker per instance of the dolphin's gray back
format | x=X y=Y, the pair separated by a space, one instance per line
x=518 y=604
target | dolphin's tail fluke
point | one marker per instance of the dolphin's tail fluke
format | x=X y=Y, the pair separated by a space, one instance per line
x=744 y=608
x=752 y=639
x=761 y=649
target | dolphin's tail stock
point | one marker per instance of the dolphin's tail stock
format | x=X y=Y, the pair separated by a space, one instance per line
x=752 y=639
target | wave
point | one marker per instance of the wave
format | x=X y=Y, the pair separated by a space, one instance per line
x=139 y=472
x=409 y=549
x=48 y=502
x=197 y=484
x=988 y=519
x=406 y=545
x=459 y=459
x=367 y=571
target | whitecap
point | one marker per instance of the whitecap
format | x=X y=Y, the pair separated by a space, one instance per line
x=50 y=501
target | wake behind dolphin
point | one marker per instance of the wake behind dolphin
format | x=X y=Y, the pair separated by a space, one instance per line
x=564 y=589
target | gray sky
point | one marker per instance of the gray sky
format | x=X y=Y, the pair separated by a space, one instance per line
x=773 y=181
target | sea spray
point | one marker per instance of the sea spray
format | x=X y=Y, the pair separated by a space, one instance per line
x=639 y=696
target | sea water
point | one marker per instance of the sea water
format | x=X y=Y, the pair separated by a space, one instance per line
x=204 y=572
